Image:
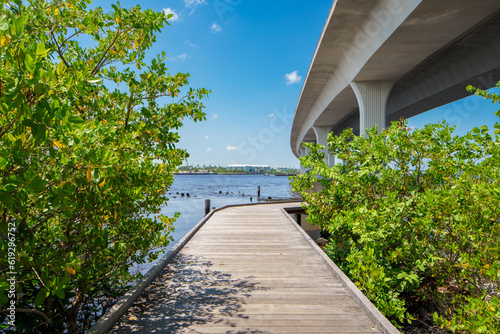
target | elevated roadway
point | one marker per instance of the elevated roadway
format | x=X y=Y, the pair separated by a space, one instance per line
x=379 y=60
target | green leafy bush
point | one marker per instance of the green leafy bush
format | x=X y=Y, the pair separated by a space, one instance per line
x=414 y=217
x=87 y=152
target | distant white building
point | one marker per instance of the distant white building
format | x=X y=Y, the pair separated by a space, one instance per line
x=249 y=168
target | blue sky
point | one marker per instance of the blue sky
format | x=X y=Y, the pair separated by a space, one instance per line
x=254 y=56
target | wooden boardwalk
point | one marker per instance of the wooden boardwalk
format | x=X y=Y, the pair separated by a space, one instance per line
x=248 y=270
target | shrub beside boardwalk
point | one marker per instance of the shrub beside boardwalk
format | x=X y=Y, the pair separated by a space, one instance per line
x=414 y=219
x=87 y=152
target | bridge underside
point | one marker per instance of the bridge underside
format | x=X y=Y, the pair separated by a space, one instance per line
x=423 y=66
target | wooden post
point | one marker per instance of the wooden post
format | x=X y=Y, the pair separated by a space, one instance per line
x=258 y=191
x=207 y=206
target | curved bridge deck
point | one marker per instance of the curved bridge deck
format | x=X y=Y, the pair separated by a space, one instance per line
x=251 y=269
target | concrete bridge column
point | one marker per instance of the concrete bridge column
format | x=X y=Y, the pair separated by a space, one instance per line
x=302 y=152
x=372 y=100
x=322 y=133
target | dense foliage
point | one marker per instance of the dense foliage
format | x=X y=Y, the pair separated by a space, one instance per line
x=414 y=218
x=87 y=151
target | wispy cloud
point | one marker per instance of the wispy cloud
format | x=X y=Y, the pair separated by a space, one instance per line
x=270 y=115
x=169 y=10
x=209 y=149
x=187 y=42
x=183 y=56
x=214 y=116
x=206 y=137
x=215 y=27
x=292 y=78
x=231 y=148
x=194 y=3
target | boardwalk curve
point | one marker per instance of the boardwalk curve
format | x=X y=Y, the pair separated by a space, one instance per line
x=249 y=269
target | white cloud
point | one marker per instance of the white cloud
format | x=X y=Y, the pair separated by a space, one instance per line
x=215 y=27
x=183 y=56
x=270 y=115
x=231 y=148
x=206 y=137
x=214 y=116
x=209 y=149
x=292 y=78
x=194 y=3
x=169 y=10
x=187 y=42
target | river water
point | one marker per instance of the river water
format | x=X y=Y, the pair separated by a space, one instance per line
x=221 y=190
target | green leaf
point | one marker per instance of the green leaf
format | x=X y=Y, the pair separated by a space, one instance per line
x=40 y=297
x=20 y=23
x=471 y=88
x=28 y=61
x=3 y=299
x=59 y=292
x=75 y=119
x=61 y=68
x=38 y=185
x=6 y=198
x=95 y=176
x=3 y=163
x=40 y=49
x=65 y=281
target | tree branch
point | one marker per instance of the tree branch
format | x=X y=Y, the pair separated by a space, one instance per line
x=32 y=311
x=129 y=108
x=76 y=33
x=99 y=63
x=7 y=128
x=59 y=50
x=28 y=228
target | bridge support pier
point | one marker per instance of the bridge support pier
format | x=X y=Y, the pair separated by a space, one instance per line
x=321 y=138
x=302 y=153
x=372 y=100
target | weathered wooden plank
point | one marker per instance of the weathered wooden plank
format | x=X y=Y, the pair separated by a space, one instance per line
x=247 y=270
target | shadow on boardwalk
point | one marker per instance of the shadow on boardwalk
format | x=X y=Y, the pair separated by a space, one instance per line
x=191 y=291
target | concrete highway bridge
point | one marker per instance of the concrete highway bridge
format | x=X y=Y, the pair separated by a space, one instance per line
x=379 y=60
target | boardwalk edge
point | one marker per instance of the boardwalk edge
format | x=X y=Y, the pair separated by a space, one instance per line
x=382 y=323
x=107 y=321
